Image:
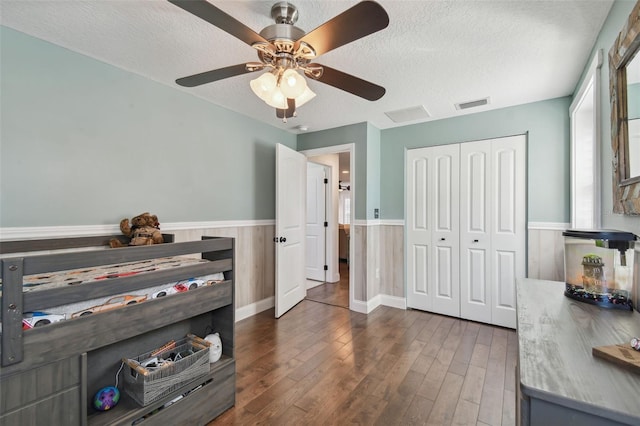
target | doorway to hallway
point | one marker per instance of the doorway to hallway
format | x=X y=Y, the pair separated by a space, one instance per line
x=335 y=294
x=337 y=287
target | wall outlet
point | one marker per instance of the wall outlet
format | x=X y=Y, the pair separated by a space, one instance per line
x=376 y=213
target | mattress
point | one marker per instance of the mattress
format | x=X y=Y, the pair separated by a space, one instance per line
x=98 y=274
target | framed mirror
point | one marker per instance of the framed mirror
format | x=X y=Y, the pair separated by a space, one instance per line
x=624 y=90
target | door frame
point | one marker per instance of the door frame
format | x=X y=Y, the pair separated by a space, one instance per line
x=333 y=231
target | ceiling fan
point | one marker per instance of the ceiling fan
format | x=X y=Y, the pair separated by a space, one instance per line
x=283 y=49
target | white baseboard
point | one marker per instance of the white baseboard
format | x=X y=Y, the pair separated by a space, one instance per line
x=255 y=308
x=358 y=306
x=381 y=299
x=365 y=307
x=393 y=301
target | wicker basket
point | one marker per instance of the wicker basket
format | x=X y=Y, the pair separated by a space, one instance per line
x=148 y=384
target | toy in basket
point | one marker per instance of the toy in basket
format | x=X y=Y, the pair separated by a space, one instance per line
x=157 y=373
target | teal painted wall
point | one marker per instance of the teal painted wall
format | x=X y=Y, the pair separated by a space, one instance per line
x=617 y=18
x=85 y=143
x=547 y=125
x=356 y=134
x=381 y=154
x=373 y=170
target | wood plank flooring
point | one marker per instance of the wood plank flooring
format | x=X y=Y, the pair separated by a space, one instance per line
x=325 y=365
x=336 y=294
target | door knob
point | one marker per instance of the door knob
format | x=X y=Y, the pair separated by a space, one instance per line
x=442 y=239
x=283 y=240
x=275 y=239
x=475 y=241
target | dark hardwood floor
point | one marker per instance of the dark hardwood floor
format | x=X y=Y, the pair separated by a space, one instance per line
x=325 y=365
x=336 y=294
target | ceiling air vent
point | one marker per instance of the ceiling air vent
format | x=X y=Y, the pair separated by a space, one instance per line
x=472 y=104
x=408 y=114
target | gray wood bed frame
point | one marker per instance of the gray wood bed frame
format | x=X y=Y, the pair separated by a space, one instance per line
x=50 y=374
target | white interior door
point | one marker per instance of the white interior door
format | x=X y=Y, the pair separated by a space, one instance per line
x=316 y=217
x=291 y=185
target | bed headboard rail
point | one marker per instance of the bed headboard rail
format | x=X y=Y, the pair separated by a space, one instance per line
x=25 y=246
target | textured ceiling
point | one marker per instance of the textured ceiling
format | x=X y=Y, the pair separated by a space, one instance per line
x=433 y=54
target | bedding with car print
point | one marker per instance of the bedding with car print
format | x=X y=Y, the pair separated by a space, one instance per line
x=98 y=274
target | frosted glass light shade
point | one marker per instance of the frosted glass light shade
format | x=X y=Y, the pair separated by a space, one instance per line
x=292 y=84
x=277 y=99
x=263 y=85
x=305 y=97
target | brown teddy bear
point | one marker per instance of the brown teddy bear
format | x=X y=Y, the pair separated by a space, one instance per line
x=144 y=230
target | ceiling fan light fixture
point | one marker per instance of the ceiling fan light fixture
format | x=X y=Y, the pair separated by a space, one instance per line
x=284 y=49
x=266 y=88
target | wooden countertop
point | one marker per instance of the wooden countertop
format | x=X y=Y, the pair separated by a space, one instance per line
x=555 y=338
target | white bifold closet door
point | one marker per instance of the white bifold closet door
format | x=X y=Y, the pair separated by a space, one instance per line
x=492 y=228
x=486 y=202
x=433 y=231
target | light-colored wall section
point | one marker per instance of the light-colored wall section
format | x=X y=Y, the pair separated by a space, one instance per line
x=255 y=262
x=359 y=262
x=373 y=171
x=373 y=261
x=392 y=260
x=85 y=143
x=546 y=124
x=546 y=252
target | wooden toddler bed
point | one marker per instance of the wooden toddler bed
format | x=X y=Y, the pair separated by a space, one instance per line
x=50 y=374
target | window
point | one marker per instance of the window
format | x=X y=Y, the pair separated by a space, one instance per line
x=585 y=150
x=344 y=213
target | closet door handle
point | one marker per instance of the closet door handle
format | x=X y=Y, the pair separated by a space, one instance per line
x=442 y=239
x=475 y=241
